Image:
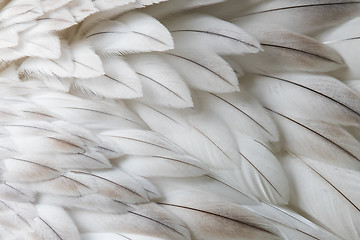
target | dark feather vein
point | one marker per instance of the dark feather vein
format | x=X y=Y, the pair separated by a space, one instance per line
x=52 y=229
x=67 y=143
x=300 y=51
x=176 y=160
x=247 y=115
x=217 y=215
x=35 y=163
x=100 y=33
x=202 y=66
x=16 y=213
x=316 y=133
x=162 y=85
x=102 y=112
x=261 y=173
x=108 y=180
x=153 y=38
x=303 y=6
x=142 y=141
x=314 y=91
x=216 y=34
x=87 y=66
x=332 y=185
x=203 y=134
x=116 y=80
x=296 y=229
x=157 y=221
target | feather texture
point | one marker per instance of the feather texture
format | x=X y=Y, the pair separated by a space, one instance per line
x=179 y=120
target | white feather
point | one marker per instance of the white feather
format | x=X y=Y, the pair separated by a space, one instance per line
x=306 y=15
x=203 y=70
x=334 y=186
x=312 y=96
x=139 y=33
x=214 y=34
x=161 y=84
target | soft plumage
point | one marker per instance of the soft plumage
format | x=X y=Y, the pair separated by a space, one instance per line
x=168 y=119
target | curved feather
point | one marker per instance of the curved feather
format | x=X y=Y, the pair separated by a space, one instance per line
x=203 y=70
x=139 y=33
x=234 y=108
x=214 y=34
x=338 y=186
x=199 y=212
x=306 y=16
x=288 y=51
x=162 y=85
x=150 y=220
x=315 y=97
x=119 y=81
x=345 y=39
x=333 y=144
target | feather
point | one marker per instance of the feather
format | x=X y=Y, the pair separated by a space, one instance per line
x=318 y=97
x=336 y=186
x=55 y=21
x=23 y=170
x=118 y=185
x=345 y=39
x=262 y=173
x=54 y=223
x=118 y=81
x=211 y=218
x=88 y=202
x=334 y=145
x=211 y=184
x=52 y=5
x=149 y=220
x=34 y=45
x=212 y=72
x=214 y=34
x=87 y=64
x=229 y=9
x=306 y=15
x=104 y=5
x=161 y=84
x=112 y=236
x=89 y=113
x=60 y=67
x=291 y=224
x=144 y=143
x=19 y=11
x=255 y=120
x=9 y=37
x=163 y=166
x=81 y=9
x=172 y=6
x=13 y=194
x=139 y=33
x=68 y=184
x=195 y=135
x=288 y=51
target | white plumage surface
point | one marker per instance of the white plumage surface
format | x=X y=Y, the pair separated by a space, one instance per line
x=191 y=119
